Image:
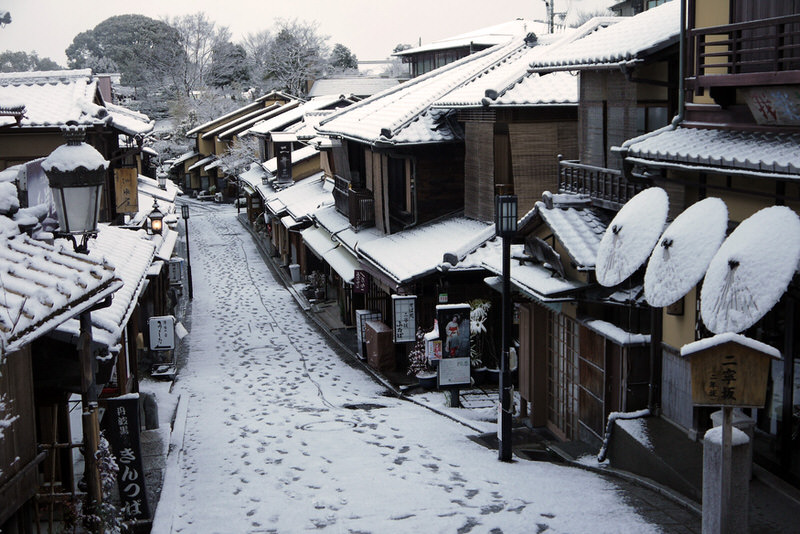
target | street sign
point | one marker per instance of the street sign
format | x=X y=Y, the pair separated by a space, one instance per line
x=162 y=332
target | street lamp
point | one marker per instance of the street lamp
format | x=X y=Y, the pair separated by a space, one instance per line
x=505 y=228
x=162 y=180
x=156 y=219
x=185 y=216
x=76 y=172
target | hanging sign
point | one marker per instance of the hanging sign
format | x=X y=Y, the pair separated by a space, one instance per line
x=126 y=190
x=405 y=318
x=175 y=271
x=162 y=332
x=360 y=281
x=121 y=428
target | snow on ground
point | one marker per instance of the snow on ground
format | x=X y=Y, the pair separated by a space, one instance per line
x=283 y=435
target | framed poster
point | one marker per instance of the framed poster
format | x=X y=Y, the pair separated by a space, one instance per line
x=405 y=318
x=453 y=321
x=454 y=372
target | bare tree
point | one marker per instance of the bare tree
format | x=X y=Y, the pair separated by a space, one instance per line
x=296 y=56
x=199 y=36
x=256 y=46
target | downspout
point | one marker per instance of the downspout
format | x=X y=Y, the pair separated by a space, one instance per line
x=656 y=314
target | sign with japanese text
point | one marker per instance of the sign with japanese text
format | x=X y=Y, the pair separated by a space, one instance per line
x=126 y=190
x=729 y=374
x=454 y=372
x=162 y=332
x=121 y=428
x=775 y=105
x=284 y=157
x=360 y=281
x=175 y=270
x=405 y=318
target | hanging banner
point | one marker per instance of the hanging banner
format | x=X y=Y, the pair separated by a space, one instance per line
x=405 y=318
x=126 y=190
x=284 y=156
x=121 y=428
x=453 y=321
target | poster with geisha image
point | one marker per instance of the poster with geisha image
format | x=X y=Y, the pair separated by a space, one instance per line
x=453 y=321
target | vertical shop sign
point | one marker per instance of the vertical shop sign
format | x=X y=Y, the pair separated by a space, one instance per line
x=126 y=189
x=360 y=281
x=162 y=332
x=405 y=318
x=121 y=426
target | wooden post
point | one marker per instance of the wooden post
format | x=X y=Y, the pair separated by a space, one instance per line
x=727 y=435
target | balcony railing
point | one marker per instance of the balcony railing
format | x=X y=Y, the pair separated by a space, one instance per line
x=758 y=52
x=606 y=187
x=357 y=205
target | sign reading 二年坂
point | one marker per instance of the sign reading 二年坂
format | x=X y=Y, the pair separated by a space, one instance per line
x=126 y=189
x=405 y=318
x=121 y=428
x=730 y=372
x=162 y=332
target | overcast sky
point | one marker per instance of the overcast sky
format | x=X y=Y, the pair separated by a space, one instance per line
x=370 y=28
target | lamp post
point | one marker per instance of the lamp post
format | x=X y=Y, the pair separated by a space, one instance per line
x=162 y=180
x=156 y=219
x=185 y=216
x=505 y=228
x=77 y=172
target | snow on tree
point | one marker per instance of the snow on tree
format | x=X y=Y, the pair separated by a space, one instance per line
x=228 y=65
x=296 y=55
x=25 y=62
x=198 y=37
x=342 y=59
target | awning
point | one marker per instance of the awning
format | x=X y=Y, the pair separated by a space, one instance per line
x=283 y=137
x=318 y=240
x=342 y=262
x=202 y=162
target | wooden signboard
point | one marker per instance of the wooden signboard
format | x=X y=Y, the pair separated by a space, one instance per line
x=126 y=189
x=730 y=374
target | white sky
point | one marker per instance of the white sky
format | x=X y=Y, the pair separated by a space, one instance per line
x=371 y=29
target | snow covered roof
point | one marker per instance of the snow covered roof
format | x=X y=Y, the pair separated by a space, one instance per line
x=301 y=154
x=418 y=251
x=533 y=280
x=614 y=41
x=579 y=229
x=488 y=36
x=52 y=98
x=729 y=337
x=45 y=285
x=245 y=121
x=254 y=175
x=129 y=121
x=131 y=253
x=294 y=115
x=244 y=127
x=755 y=153
x=509 y=82
x=203 y=162
x=402 y=115
x=186 y=156
x=302 y=198
x=360 y=86
x=257 y=104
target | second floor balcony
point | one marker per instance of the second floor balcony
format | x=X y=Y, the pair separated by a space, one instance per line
x=606 y=187
x=356 y=204
x=753 y=53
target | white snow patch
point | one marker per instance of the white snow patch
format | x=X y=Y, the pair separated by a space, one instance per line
x=738 y=437
x=719 y=339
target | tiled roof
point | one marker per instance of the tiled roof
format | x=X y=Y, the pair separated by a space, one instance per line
x=301 y=154
x=352 y=85
x=249 y=108
x=578 y=229
x=401 y=115
x=245 y=121
x=490 y=36
x=52 y=98
x=727 y=150
x=601 y=43
x=44 y=285
x=282 y=120
x=131 y=254
x=418 y=251
x=509 y=83
x=303 y=197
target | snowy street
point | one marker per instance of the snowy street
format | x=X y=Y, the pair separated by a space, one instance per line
x=282 y=434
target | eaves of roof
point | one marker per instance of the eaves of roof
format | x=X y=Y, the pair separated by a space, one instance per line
x=240 y=120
